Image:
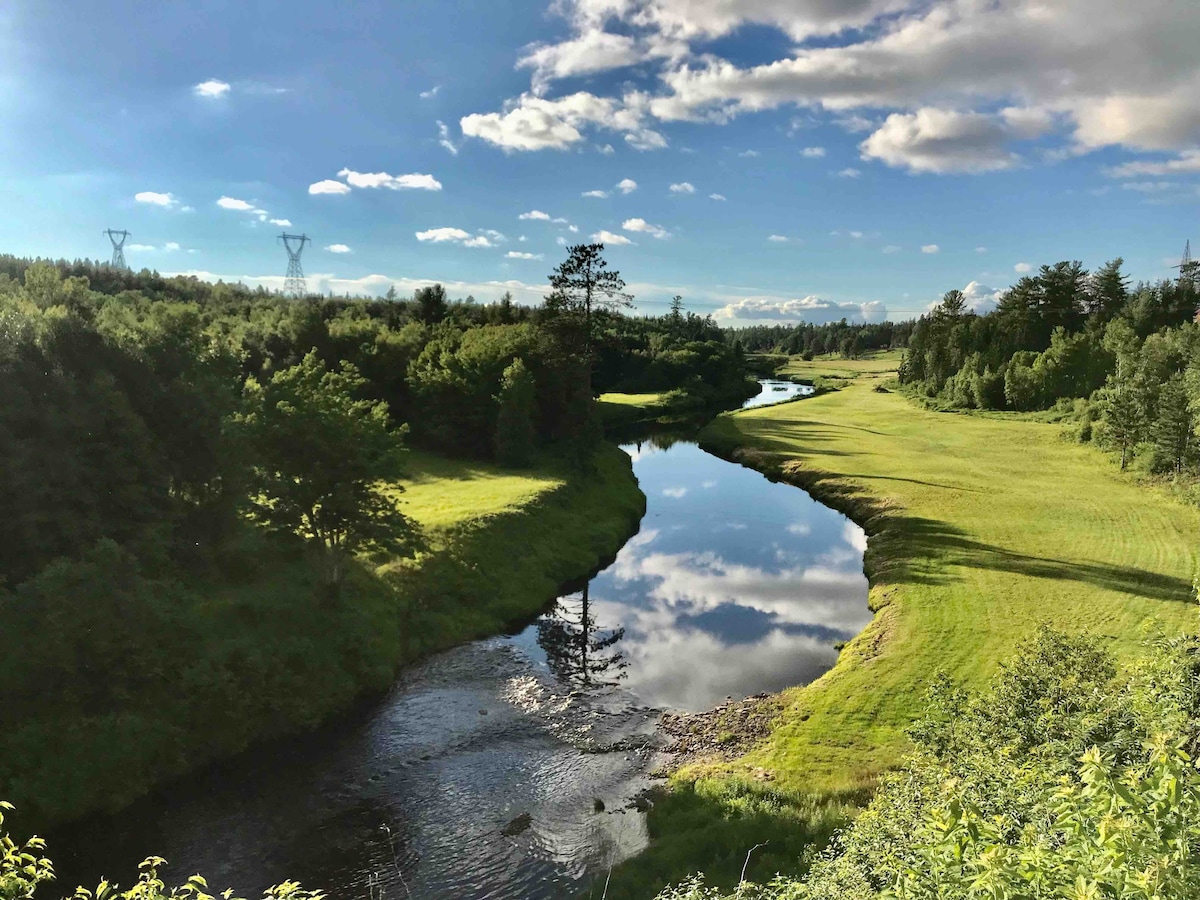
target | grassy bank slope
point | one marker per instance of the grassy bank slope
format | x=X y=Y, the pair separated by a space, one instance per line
x=259 y=649
x=980 y=529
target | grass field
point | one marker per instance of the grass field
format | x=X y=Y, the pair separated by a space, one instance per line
x=980 y=529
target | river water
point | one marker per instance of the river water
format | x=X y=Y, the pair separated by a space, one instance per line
x=506 y=768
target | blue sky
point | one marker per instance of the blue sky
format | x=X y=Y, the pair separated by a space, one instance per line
x=868 y=154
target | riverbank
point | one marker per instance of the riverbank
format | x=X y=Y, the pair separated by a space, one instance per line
x=980 y=529
x=259 y=650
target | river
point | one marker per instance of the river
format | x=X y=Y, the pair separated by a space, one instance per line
x=506 y=768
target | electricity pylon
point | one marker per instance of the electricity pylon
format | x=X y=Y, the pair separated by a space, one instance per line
x=294 y=285
x=118 y=257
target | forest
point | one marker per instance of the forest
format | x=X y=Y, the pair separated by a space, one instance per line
x=181 y=458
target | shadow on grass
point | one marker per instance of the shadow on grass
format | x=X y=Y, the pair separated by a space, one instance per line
x=712 y=828
x=904 y=545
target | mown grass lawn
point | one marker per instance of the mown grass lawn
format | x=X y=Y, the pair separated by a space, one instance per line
x=980 y=530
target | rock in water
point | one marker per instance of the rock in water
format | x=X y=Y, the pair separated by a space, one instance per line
x=517 y=825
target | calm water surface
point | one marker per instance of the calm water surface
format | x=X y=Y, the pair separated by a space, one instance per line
x=478 y=776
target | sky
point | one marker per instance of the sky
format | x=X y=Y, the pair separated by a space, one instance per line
x=769 y=160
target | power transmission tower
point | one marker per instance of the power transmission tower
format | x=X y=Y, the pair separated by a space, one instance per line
x=1188 y=268
x=118 y=257
x=294 y=285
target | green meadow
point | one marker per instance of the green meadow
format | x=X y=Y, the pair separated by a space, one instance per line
x=980 y=529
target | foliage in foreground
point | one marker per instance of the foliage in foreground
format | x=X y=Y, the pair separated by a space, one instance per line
x=1061 y=780
x=23 y=868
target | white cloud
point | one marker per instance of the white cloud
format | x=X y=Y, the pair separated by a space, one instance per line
x=981 y=249
x=1187 y=163
x=441 y=235
x=486 y=238
x=813 y=152
x=432 y=92
x=607 y=237
x=606 y=149
x=627 y=185
x=807 y=309
x=137 y=247
x=282 y=223
x=643 y=226
x=535 y=214
x=849 y=172
x=444 y=138
x=561 y=241
x=683 y=187
x=748 y=154
x=930 y=248
x=1022 y=267
x=1150 y=187
x=517 y=254
x=237 y=205
x=716 y=197
x=522 y=239
x=211 y=89
x=328 y=186
x=940 y=140
x=338 y=248
x=171 y=246
x=675 y=493
x=980 y=298
x=778 y=239
x=600 y=195
x=155 y=199
x=1092 y=73
x=415 y=181
x=531 y=122
x=891 y=248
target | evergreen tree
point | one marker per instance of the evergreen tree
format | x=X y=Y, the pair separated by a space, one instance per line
x=1125 y=402
x=582 y=285
x=1172 y=430
x=1108 y=291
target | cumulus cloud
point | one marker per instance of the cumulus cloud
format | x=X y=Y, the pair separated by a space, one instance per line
x=717 y=197
x=211 y=89
x=600 y=195
x=806 y=309
x=777 y=238
x=683 y=187
x=605 y=149
x=171 y=246
x=1022 y=267
x=328 y=186
x=531 y=122
x=891 y=248
x=535 y=214
x=980 y=298
x=338 y=248
x=627 y=185
x=940 y=140
x=849 y=172
x=441 y=235
x=981 y=249
x=415 y=181
x=645 y=227
x=432 y=92
x=154 y=198
x=282 y=223
x=608 y=237
x=136 y=247
x=1091 y=73
x=517 y=254
x=748 y=154
x=813 y=152
x=930 y=248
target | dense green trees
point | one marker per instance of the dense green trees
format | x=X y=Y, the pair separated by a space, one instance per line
x=1061 y=780
x=835 y=337
x=515 y=432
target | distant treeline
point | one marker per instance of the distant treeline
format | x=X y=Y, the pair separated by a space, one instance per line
x=1125 y=363
x=844 y=338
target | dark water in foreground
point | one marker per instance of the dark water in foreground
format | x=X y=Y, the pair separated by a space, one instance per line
x=478 y=775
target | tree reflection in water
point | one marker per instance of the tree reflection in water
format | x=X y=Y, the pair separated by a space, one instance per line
x=577 y=649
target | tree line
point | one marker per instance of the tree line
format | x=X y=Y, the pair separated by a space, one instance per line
x=1122 y=362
